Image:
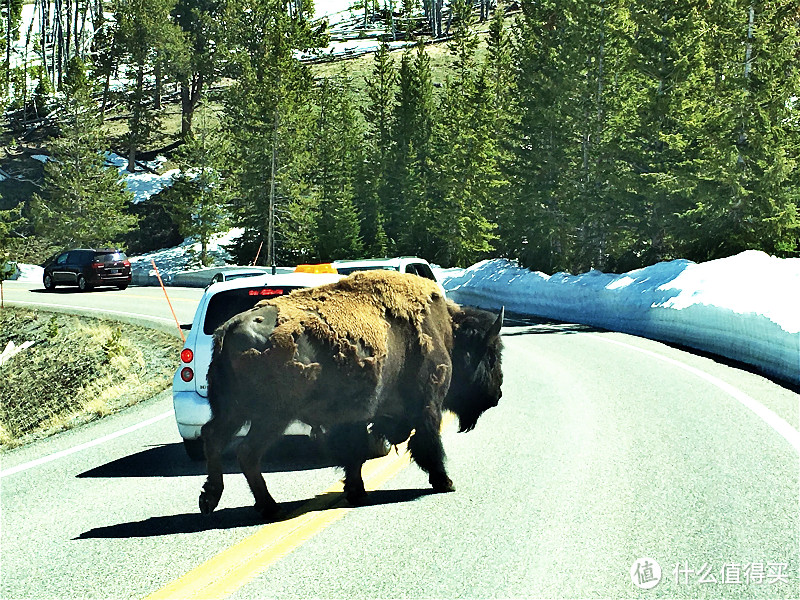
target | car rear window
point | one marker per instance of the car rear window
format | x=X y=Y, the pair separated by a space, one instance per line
x=225 y=305
x=105 y=257
x=349 y=270
x=422 y=270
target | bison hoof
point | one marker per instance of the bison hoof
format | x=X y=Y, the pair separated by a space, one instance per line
x=208 y=503
x=356 y=496
x=442 y=483
x=270 y=511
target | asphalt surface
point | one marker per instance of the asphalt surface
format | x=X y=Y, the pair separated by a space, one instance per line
x=601 y=453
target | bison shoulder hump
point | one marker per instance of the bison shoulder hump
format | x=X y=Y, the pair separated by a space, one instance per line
x=358 y=308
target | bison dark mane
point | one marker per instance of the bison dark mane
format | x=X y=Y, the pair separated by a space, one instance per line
x=477 y=376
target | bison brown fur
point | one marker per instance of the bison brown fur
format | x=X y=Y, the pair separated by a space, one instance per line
x=378 y=347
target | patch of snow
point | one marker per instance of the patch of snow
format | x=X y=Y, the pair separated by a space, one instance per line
x=29 y=273
x=185 y=257
x=12 y=349
x=142 y=183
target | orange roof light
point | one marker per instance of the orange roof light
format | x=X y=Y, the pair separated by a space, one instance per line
x=320 y=268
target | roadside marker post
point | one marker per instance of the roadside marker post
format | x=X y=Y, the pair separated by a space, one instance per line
x=174 y=316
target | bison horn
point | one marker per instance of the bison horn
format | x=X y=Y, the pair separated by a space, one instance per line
x=494 y=330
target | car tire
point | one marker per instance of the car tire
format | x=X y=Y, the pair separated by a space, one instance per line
x=123 y=287
x=194 y=449
x=49 y=284
x=83 y=285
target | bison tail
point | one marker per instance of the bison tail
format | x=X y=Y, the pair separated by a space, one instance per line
x=218 y=373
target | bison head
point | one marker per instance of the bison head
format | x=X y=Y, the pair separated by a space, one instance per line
x=477 y=375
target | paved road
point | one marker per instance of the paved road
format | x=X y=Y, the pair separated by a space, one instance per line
x=604 y=450
x=145 y=305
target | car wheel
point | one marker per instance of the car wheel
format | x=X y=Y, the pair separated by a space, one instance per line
x=123 y=287
x=194 y=448
x=83 y=285
x=49 y=284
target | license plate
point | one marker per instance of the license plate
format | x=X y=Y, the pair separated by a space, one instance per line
x=114 y=271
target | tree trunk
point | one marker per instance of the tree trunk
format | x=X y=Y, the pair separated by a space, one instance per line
x=158 y=86
x=8 y=47
x=133 y=139
x=191 y=93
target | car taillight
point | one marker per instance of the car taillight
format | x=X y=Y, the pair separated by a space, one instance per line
x=187 y=374
x=266 y=292
x=187 y=355
x=126 y=263
x=97 y=266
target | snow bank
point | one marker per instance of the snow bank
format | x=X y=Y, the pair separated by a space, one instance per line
x=743 y=307
x=29 y=273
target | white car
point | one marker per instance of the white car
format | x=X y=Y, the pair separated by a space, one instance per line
x=220 y=302
x=404 y=264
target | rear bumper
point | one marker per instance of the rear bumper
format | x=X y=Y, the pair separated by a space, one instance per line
x=192 y=411
x=111 y=280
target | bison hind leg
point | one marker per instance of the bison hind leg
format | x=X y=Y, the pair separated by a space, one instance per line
x=350 y=448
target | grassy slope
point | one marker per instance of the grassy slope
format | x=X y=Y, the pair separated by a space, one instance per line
x=78 y=369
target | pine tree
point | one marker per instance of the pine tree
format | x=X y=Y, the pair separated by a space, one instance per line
x=372 y=190
x=10 y=17
x=411 y=184
x=84 y=201
x=145 y=35
x=199 y=196
x=199 y=20
x=747 y=194
x=657 y=148
x=534 y=224
x=269 y=115
x=337 y=154
x=467 y=171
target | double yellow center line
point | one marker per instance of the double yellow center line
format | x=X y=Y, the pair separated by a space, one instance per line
x=230 y=570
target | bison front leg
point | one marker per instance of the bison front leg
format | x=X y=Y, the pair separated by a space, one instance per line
x=349 y=448
x=427 y=450
x=216 y=434
x=260 y=437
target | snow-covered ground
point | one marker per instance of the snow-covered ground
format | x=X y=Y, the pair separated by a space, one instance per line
x=143 y=184
x=185 y=257
x=744 y=307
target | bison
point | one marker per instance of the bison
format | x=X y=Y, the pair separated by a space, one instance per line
x=379 y=347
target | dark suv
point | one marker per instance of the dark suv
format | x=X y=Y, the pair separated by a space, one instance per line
x=88 y=268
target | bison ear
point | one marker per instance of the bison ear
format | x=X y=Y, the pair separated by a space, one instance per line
x=494 y=330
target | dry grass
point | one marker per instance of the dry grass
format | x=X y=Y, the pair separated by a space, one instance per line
x=78 y=369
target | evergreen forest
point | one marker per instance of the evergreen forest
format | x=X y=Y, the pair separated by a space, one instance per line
x=566 y=135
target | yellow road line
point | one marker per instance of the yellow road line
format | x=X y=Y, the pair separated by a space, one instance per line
x=222 y=575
